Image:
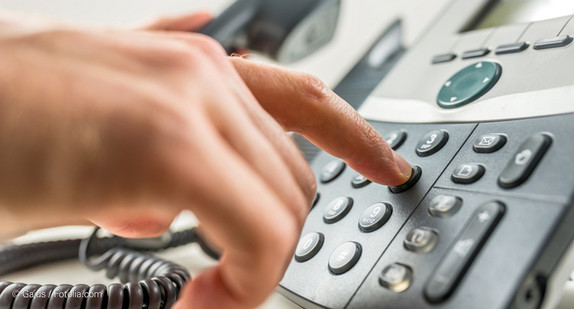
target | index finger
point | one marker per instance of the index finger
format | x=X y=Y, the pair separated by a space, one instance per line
x=302 y=103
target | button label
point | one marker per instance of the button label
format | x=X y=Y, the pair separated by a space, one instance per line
x=523 y=157
x=463 y=246
x=483 y=216
x=465 y=171
x=487 y=140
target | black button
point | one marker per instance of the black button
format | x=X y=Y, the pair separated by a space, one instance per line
x=444 y=206
x=375 y=216
x=443 y=58
x=511 y=48
x=359 y=181
x=559 y=41
x=432 y=142
x=332 y=170
x=459 y=256
x=396 y=277
x=316 y=199
x=344 y=257
x=396 y=138
x=489 y=143
x=308 y=246
x=421 y=240
x=337 y=209
x=524 y=161
x=475 y=53
x=415 y=176
x=467 y=173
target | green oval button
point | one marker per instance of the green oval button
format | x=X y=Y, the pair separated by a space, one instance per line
x=469 y=84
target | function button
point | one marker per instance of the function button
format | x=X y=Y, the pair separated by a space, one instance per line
x=415 y=176
x=443 y=58
x=396 y=138
x=444 y=206
x=489 y=143
x=337 y=209
x=432 y=142
x=396 y=277
x=469 y=84
x=459 y=257
x=332 y=170
x=524 y=161
x=375 y=216
x=308 y=246
x=344 y=257
x=511 y=48
x=559 y=41
x=468 y=173
x=359 y=181
x=475 y=53
x=421 y=240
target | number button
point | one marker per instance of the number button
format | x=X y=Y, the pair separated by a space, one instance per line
x=432 y=143
x=344 y=257
x=332 y=170
x=359 y=181
x=337 y=209
x=308 y=246
x=375 y=216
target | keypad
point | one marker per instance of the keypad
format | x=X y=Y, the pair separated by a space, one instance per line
x=385 y=237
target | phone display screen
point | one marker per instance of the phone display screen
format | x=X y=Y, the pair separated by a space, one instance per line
x=506 y=12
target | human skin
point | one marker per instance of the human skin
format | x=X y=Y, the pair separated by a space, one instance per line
x=127 y=129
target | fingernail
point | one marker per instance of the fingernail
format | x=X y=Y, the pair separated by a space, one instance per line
x=404 y=166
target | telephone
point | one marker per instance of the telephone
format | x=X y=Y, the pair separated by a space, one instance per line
x=482 y=107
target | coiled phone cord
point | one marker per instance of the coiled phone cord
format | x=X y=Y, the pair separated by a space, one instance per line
x=149 y=282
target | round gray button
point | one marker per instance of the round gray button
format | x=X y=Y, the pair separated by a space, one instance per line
x=337 y=209
x=396 y=138
x=421 y=240
x=332 y=170
x=396 y=277
x=444 y=206
x=375 y=216
x=359 y=181
x=344 y=257
x=308 y=246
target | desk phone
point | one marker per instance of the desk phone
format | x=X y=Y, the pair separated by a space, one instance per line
x=482 y=106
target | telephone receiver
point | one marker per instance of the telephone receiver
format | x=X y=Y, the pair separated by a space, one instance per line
x=285 y=31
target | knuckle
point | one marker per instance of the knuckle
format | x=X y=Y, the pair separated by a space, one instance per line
x=314 y=88
x=208 y=45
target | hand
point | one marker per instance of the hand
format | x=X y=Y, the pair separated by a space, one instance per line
x=130 y=128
